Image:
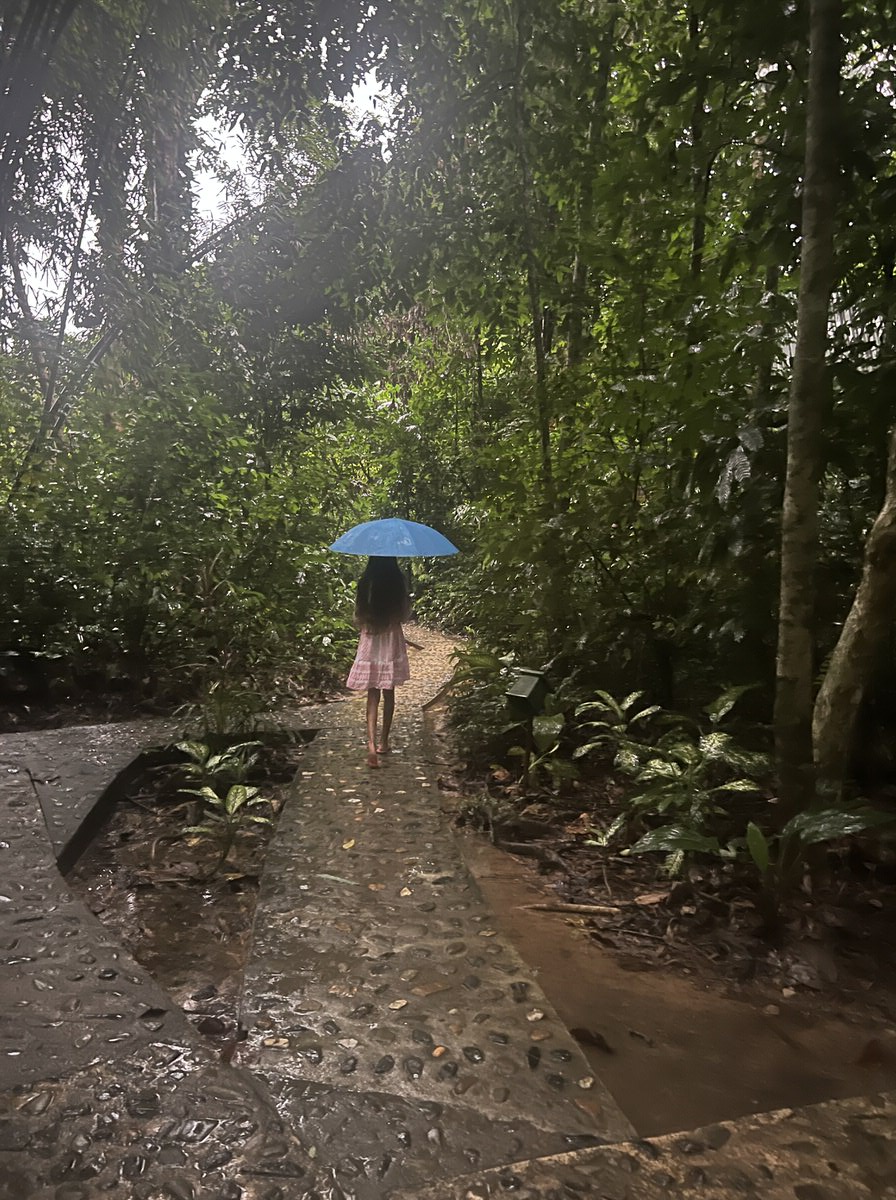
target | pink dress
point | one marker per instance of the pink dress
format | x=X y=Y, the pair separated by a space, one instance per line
x=381 y=661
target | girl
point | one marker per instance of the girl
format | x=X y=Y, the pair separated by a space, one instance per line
x=382 y=659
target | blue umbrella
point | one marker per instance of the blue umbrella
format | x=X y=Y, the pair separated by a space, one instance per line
x=393 y=536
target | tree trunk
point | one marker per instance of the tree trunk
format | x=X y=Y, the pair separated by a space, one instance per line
x=533 y=272
x=799 y=527
x=575 y=322
x=864 y=633
x=548 y=544
x=170 y=103
x=701 y=167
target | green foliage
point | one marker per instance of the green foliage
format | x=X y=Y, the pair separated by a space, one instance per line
x=226 y=816
x=686 y=778
x=225 y=709
x=553 y=318
x=547 y=731
x=680 y=772
x=169 y=491
x=782 y=858
x=161 y=546
x=614 y=728
x=205 y=766
x=677 y=841
x=478 y=709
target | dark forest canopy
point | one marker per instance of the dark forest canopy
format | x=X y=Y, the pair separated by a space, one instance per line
x=555 y=295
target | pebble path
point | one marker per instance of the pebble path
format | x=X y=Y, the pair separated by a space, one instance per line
x=384 y=1012
x=396 y=1046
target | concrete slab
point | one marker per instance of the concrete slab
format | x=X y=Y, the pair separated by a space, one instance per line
x=70 y=769
x=105 y=1087
x=844 y=1150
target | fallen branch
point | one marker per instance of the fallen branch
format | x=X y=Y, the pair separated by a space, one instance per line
x=574 y=908
x=153 y=812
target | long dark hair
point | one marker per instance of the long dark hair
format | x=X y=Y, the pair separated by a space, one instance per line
x=382 y=598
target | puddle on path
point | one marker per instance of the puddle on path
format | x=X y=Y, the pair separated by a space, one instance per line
x=682 y=1055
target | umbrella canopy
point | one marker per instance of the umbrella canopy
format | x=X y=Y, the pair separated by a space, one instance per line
x=393 y=536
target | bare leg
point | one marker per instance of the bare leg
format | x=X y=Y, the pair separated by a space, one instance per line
x=388 y=713
x=373 y=704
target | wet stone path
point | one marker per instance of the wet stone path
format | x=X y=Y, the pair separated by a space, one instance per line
x=843 y=1150
x=401 y=1037
x=396 y=1045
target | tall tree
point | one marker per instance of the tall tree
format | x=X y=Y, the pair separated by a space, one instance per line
x=861 y=643
x=808 y=397
x=99 y=132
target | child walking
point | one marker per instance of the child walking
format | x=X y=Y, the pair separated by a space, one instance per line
x=381 y=605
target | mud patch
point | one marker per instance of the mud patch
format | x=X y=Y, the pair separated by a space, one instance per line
x=674 y=1052
x=184 y=916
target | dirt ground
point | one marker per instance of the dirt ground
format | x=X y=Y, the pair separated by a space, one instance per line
x=183 y=914
x=676 y=1041
x=686 y=1012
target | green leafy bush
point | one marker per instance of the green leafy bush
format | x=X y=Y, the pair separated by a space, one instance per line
x=226 y=816
x=684 y=777
x=614 y=728
x=225 y=707
x=164 y=545
x=547 y=756
x=205 y=766
x=477 y=705
x=780 y=858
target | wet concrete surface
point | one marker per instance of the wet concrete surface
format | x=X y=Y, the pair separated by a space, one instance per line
x=69 y=994
x=164 y=1121
x=68 y=770
x=396 y=1043
x=105 y=1087
x=844 y=1150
